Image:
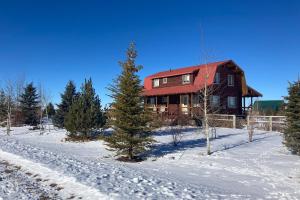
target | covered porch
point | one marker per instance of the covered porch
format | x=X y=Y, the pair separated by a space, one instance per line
x=251 y=93
x=174 y=104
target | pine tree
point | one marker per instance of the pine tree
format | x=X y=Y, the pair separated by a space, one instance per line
x=67 y=99
x=128 y=116
x=85 y=114
x=292 y=131
x=29 y=105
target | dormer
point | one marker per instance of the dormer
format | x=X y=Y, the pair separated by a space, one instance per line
x=186 y=78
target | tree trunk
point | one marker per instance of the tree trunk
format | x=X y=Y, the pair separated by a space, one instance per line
x=206 y=120
x=8 y=117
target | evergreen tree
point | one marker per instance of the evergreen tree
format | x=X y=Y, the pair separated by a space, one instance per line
x=67 y=99
x=50 y=110
x=128 y=116
x=3 y=106
x=292 y=131
x=85 y=114
x=29 y=105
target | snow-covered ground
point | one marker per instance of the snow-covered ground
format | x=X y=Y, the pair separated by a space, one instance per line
x=53 y=168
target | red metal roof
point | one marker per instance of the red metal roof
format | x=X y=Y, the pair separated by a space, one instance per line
x=181 y=89
x=203 y=70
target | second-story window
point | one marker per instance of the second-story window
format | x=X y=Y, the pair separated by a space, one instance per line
x=156 y=82
x=217 y=78
x=165 y=80
x=230 y=80
x=186 y=79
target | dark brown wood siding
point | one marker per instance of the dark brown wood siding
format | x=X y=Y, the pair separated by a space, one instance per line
x=172 y=81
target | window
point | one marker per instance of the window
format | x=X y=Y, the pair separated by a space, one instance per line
x=185 y=99
x=151 y=100
x=165 y=80
x=164 y=99
x=231 y=102
x=230 y=80
x=186 y=79
x=215 y=101
x=217 y=78
x=156 y=82
x=196 y=101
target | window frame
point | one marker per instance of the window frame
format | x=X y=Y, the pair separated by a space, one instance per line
x=229 y=105
x=183 y=98
x=212 y=101
x=188 y=79
x=156 y=80
x=230 y=80
x=152 y=101
x=217 y=78
x=165 y=80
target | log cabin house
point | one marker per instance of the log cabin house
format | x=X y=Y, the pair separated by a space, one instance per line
x=178 y=91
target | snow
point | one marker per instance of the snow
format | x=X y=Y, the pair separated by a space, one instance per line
x=237 y=169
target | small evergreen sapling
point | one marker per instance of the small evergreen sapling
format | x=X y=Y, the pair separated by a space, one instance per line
x=128 y=117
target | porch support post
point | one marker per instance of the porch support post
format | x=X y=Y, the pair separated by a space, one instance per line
x=251 y=101
x=168 y=102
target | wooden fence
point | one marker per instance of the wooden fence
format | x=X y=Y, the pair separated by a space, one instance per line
x=268 y=123
x=222 y=120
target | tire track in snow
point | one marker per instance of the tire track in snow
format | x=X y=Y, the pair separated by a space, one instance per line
x=71 y=188
x=118 y=182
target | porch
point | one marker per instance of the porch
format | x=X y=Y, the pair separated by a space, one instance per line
x=169 y=105
x=251 y=93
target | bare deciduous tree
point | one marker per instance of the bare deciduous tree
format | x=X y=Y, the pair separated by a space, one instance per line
x=44 y=99
x=10 y=95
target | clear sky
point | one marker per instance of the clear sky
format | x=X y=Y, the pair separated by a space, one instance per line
x=55 y=41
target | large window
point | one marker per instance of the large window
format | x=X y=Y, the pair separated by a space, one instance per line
x=217 y=78
x=186 y=79
x=156 y=82
x=231 y=102
x=230 y=80
x=215 y=101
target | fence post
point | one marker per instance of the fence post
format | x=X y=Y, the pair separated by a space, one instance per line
x=234 y=121
x=270 y=120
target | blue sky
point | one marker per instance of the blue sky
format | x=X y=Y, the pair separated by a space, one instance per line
x=55 y=41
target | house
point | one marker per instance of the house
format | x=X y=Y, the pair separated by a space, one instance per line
x=270 y=107
x=178 y=91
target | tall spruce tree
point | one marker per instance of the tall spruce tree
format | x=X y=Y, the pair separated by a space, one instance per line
x=67 y=99
x=128 y=117
x=292 y=131
x=85 y=115
x=29 y=105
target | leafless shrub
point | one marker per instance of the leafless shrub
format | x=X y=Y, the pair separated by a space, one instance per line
x=176 y=133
